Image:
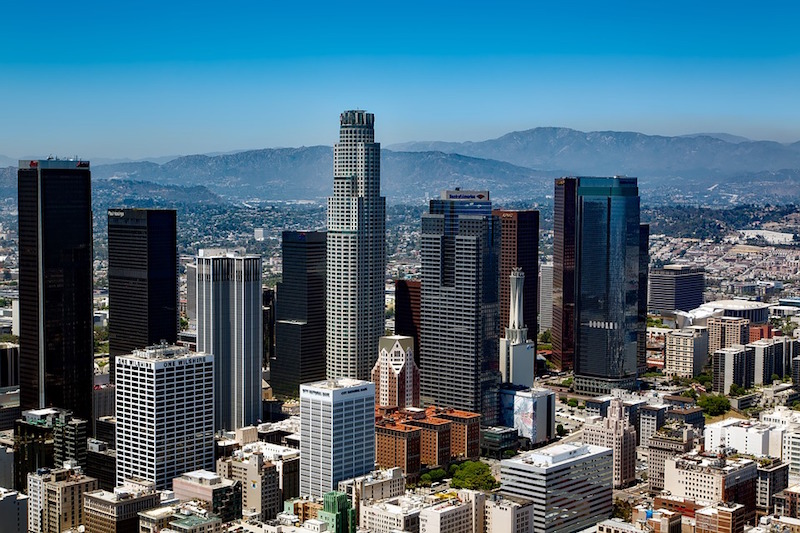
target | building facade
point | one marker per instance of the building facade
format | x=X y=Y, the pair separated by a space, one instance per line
x=615 y=432
x=142 y=279
x=726 y=331
x=55 y=285
x=356 y=253
x=407 y=311
x=459 y=315
x=545 y=297
x=676 y=288
x=175 y=432
x=395 y=374
x=608 y=318
x=733 y=365
x=337 y=433
x=686 y=351
x=517 y=352
x=519 y=249
x=564 y=253
x=300 y=314
x=229 y=327
x=570 y=485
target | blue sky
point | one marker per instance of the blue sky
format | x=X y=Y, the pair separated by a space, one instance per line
x=102 y=79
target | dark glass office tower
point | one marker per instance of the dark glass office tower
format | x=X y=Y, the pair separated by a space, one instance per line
x=562 y=332
x=407 y=310
x=607 y=262
x=519 y=248
x=142 y=279
x=300 y=313
x=55 y=285
x=459 y=308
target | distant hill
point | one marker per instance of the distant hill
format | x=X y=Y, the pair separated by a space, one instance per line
x=704 y=169
x=108 y=192
x=612 y=152
x=307 y=172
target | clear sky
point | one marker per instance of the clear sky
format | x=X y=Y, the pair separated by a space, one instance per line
x=135 y=79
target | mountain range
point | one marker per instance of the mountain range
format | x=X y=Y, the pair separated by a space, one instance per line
x=517 y=165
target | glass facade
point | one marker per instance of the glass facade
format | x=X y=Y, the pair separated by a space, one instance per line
x=607 y=284
x=142 y=279
x=55 y=285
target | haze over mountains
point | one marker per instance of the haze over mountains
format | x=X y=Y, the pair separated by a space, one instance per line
x=517 y=165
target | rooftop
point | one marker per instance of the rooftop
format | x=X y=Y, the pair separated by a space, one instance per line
x=558 y=454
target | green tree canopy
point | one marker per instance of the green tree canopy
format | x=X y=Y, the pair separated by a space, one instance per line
x=714 y=404
x=474 y=475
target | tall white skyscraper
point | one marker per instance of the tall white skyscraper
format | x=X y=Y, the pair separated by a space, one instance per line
x=165 y=414
x=229 y=326
x=337 y=433
x=356 y=262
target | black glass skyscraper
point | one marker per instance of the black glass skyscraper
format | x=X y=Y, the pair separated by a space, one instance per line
x=142 y=279
x=55 y=285
x=459 y=304
x=300 y=313
x=608 y=282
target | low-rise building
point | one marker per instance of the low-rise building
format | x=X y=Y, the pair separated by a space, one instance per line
x=669 y=441
x=268 y=474
x=721 y=518
x=713 y=478
x=508 y=514
x=118 y=511
x=224 y=496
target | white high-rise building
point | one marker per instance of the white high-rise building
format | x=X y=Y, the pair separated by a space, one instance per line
x=230 y=327
x=517 y=353
x=569 y=485
x=337 y=433
x=546 y=297
x=165 y=414
x=356 y=255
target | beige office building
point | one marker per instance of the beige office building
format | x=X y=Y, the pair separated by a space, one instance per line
x=686 y=351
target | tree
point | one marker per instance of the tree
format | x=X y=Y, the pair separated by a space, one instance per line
x=437 y=475
x=622 y=509
x=425 y=480
x=736 y=390
x=545 y=337
x=775 y=377
x=714 y=404
x=474 y=475
x=572 y=402
x=561 y=431
x=452 y=470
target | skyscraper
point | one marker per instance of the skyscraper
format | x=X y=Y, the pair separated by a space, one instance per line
x=546 y=297
x=356 y=264
x=519 y=248
x=563 y=331
x=55 y=285
x=337 y=433
x=175 y=434
x=407 y=311
x=229 y=326
x=142 y=279
x=459 y=308
x=608 y=285
x=517 y=353
x=676 y=287
x=300 y=314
